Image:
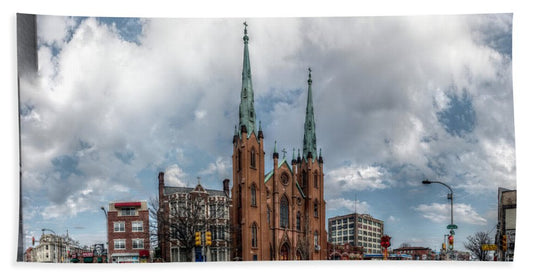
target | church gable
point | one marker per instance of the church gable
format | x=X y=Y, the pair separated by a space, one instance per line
x=199 y=189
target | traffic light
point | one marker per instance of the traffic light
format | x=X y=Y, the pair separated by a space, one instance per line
x=504 y=243
x=450 y=241
x=197 y=238
x=385 y=241
x=208 y=238
x=444 y=246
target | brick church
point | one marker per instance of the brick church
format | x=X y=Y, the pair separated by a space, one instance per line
x=276 y=215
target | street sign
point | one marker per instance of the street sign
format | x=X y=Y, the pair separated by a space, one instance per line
x=489 y=247
x=451 y=226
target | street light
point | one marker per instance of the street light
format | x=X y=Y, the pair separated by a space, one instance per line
x=107 y=233
x=451 y=226
x=450 y=195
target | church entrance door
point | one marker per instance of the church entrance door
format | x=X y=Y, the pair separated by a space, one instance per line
x=284 y=252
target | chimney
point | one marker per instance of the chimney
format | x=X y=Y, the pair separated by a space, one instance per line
x=226 y=186
x=161 y=178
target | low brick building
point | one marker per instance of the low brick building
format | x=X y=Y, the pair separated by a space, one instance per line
x=417 y=253
x=128 y=232
x=345 y=252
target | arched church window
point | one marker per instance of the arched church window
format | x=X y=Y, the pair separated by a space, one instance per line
x=240 y=197
x=253 y=191
x=268 y=215
x=254 y=235
x=284 y=212
x=252 y=158
x=239 y=158
x=316 y=239
x=298 y=220
x=304 y=179
x=315 y=176
x=315 y=207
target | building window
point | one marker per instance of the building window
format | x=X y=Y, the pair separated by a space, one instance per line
x=316 y=209
x=254 y=203
x=252 y=158
x=304 y=179
x=137 y=243
x=298 y=220
x=239 y=158
x=284 y=212
x=268 y=215
x=316 y=239
x=315 y=176
x=254 y=235
x=120 y=244
x=119 y=226
x=240 y=197
x=212 y=210
x=221 y=232
x=128 y=211
x=136 y=226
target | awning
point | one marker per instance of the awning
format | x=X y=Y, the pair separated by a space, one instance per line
x=74 y=260
x=88 y=259
x=128 y=204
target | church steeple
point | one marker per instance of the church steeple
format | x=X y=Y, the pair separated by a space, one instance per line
x=309 y=147
x=246 y=108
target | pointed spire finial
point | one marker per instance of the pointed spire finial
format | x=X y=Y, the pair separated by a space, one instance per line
x=293 y=154
x=245 y=38
x=275 y=155
x=309 y=141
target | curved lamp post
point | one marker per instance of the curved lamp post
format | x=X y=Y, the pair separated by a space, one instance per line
x=450 y=195
x=106 y=234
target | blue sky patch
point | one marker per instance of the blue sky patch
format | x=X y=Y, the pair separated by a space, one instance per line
x=459 y=118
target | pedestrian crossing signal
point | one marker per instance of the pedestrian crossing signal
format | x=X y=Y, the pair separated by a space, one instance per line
x=197 y=239
x=504 y=243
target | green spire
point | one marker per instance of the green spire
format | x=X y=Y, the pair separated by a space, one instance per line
x=246 y=108
x=309 y=127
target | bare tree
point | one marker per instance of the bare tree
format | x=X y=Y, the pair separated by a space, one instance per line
x=474 y=244
x=188 y=213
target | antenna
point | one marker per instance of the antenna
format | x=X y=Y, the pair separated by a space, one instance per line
x=355 y=204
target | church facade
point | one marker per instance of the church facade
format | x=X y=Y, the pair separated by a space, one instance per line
x=280 y=214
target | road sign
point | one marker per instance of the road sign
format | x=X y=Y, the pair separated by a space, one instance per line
x=489 y=247
x=451 y=226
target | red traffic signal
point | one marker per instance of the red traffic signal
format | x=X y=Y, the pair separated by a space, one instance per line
x=450 y=240
x=385 y=241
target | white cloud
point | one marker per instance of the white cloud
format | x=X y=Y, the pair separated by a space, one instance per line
x=361 y=207
x=175 y=176
x=440 y=213
x=348 y=178
x=53 y=30
x=221 y=168
x=393 y=219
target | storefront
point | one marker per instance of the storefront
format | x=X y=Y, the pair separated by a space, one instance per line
x=122 y=258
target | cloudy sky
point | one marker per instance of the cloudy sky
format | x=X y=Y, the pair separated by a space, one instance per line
x=397 y=100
